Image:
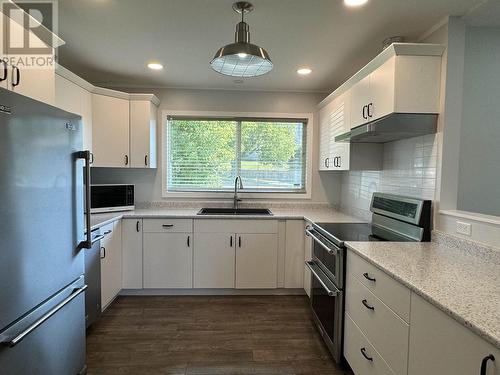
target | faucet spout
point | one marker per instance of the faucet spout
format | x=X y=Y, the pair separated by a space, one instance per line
x=238 y=183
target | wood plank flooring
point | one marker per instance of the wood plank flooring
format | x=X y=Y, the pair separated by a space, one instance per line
x=208 y=335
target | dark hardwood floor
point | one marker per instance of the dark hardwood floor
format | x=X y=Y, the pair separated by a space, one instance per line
x=208 y=335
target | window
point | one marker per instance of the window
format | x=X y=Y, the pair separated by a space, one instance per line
x=206 y=154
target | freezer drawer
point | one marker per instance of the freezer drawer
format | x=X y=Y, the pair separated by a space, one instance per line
x=50 y=340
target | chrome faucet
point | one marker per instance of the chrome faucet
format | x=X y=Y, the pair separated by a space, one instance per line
x=236 y=186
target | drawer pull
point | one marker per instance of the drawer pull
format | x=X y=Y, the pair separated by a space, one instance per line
x=363 y=351
x=367 y=277
x=107 y=232
x=484 y=363
x=365 y=303
x=168 y=225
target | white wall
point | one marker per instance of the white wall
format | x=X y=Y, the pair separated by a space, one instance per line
x=325 y=186
x=479 y=165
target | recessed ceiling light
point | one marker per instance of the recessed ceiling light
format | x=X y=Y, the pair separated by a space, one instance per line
x=155 y=66
x=304 y=71
x=355 y=3
x=242 y=55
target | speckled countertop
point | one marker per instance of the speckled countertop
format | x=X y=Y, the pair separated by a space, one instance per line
x=316 y=215
x=463 y=284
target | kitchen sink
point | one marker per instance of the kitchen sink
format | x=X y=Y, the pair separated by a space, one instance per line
x=233 y=211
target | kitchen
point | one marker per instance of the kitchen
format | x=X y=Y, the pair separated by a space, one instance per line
x=319 y=196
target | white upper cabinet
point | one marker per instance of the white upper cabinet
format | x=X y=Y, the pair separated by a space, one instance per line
x=404 y=78
x=360 y=96
x=402 y=84
x=110 y=131
x=26 y=78
x=143 y=115
x=335 y=119
x=75 y=99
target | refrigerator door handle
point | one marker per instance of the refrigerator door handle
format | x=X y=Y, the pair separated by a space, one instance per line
x=87 y=156
x=11 y=342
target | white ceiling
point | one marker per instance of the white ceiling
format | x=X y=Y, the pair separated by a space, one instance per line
x=109 y=42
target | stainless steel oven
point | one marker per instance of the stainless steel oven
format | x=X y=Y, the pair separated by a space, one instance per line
x=327 y=297
x=394 y=218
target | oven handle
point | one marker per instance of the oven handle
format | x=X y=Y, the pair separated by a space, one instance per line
x=330 y=250
x=332 y=293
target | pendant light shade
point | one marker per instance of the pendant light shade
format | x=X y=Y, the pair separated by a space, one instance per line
x=241 y=58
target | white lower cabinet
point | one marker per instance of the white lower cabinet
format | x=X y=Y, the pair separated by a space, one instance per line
x=379 y=341
x=361 y=355
x=132 y=253
x=384 y=329
x=214 y=260
x=168 y=260
x=256 y=261
x=111 y=262
x=235 y=253
x=440 y=345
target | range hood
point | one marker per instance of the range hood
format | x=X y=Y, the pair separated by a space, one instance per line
x=392 y=127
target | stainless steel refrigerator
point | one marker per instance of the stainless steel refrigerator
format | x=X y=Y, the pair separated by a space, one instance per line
x=42 y=238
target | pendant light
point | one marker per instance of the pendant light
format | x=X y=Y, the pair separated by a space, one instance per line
x=241 y=58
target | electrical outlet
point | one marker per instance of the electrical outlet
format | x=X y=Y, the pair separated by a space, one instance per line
x=464 y=228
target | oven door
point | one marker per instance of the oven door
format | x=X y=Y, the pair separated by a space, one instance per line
x=329 y=257
x=327 y=303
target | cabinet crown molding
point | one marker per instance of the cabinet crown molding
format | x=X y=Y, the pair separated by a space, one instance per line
x=77 y=80
x=395 y=49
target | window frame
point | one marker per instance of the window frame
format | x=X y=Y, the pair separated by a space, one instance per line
x=231 y=115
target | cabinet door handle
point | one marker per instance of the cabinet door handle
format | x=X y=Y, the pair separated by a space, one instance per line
x=484 y=363
x=146 y=160
x=340 y=161
x=16 y=76
x=363 y=351
x=107 y=232
x=188 y=241
x=168 y=225
x=336 y=162
x=137 y=226
x=239 y=241
x=5 y=70
x=327 y=162
x=91 y=158
x=368 y=277
x=365 y=303
x=364 y=113
x=231 y=241
x=103 y=252
x=369 y=110
x=126 y=159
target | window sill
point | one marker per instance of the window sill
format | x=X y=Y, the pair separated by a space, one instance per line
x=230 y=195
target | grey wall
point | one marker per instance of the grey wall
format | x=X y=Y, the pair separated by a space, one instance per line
x=325 y=186
x=479 y=173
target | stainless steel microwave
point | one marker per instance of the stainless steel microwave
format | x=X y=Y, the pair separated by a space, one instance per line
x=107 y=198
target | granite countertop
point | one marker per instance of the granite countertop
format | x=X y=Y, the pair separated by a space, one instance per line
x=312 y=215
x=462 y=283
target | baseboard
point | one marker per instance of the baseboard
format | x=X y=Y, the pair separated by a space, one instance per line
x=212 y=292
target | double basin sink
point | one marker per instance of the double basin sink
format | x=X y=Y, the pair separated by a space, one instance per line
x=235 y=211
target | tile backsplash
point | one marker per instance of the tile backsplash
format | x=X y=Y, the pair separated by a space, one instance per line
x=409 y=168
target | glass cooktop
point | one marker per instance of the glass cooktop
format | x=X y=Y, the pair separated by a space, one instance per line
x=341 y=232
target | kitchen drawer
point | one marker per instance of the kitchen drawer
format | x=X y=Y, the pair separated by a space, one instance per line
x=167 y=225
x=391 y=292
x=385 y=330
x=255 y=226
x=354 y=342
